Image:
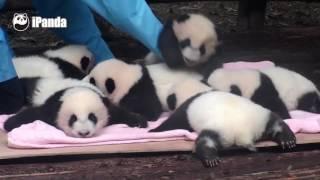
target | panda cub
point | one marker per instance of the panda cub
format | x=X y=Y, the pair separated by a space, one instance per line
x=141 y=89
x=188 y=40
x=72 y=61
x=223 y=120
x=76 y=107
x=275 y=88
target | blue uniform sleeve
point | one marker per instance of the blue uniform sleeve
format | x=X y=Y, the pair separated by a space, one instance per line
x=7 y=70
x=81 y=27
x=134 y=17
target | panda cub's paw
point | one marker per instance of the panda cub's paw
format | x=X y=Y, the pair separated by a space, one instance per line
x=137 y=121
x=211 y=163
x=286 y=138
x=206 y=148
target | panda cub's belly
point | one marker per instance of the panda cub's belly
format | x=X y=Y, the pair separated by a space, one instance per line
x=237 y=120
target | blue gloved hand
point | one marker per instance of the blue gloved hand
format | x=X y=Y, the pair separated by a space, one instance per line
x=81 y=27
x=131 y=16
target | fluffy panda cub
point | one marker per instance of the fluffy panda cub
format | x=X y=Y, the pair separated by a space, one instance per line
x=275 y=88
x=77 y=108
x=72 y=61
x=141 y=89
x=223 y=120
x=187 y=40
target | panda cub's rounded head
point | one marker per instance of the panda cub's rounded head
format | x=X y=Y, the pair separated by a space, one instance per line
x=114 y=78
x=82 y=112
x=196 y=38
x=78 y=55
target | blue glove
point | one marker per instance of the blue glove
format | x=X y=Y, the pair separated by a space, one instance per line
x=81 y=27
x=131 y=16
x=7 y=70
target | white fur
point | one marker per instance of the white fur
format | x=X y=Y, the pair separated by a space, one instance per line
x=36 y=66
x=247 y=80
x=73 y=55
x=151 y=58
x=164 y=78
x=123 y=74
x=46 y=87
x=81 y=101
x=290 y=85
x=186 y=89
x=237 y=120
x=199 y=29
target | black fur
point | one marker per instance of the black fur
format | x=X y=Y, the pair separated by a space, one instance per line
x=172 y=101
x=267 y=96
x=182 y=18
x=120 y=115
x=11 y=96
x=93 y=118
x=208 y=155
x=73 y=118
x=29 y=87
x=184 y=43
x=46 y=112
x=92 y=81
x=202 y=49
x=142 y=98
x=234 y=89
x=110 y=85
x=169 y=46
x=309 y=102
x=85 y=61
x=285 y=137
x=178 y=120
x=69 y=70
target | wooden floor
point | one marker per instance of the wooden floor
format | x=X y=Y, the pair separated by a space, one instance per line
x=267 y=164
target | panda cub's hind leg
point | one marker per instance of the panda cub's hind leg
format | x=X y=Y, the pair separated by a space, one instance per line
x=206 y=148
x=277 y=130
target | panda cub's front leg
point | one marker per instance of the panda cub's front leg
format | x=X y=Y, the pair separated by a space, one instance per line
x=206 y=148
x=278 y=131
x=120 y=115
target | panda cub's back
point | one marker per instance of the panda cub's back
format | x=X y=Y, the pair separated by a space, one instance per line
x=237 y=119
x=290 y=85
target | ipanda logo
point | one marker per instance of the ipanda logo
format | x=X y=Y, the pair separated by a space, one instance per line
x=21 y=22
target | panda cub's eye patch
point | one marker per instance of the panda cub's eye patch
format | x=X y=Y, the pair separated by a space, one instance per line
x=184 y=43
x=202 y=49
x=72 y=120
x=92 y=81
x=84 y=63
x=93 y=118
x=110 y=85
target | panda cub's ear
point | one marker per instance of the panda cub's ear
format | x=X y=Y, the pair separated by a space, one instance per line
x=182 y=18
x=110 y=85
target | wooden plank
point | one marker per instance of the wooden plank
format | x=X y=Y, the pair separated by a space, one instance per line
x=168 y=146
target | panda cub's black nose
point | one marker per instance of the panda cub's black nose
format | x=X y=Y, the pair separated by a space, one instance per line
x=84 y=134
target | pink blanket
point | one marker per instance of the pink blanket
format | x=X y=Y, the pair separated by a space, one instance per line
x=41 y=135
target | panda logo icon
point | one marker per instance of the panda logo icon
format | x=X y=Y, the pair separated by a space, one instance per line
x=20 y=21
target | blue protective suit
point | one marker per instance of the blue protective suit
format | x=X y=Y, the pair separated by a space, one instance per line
x=7 y=70
x=132 y=16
